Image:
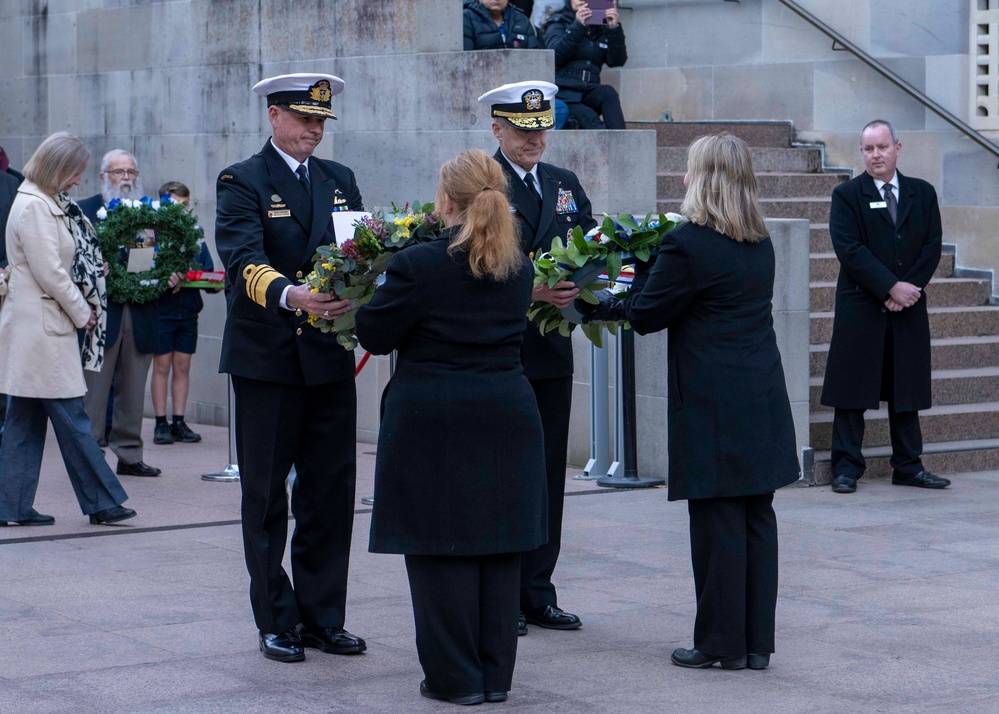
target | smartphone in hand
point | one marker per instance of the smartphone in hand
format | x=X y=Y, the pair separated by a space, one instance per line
x=599 y=8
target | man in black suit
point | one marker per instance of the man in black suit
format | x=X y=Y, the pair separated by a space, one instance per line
x=293 y=385
x=886 y=231
x=549 y=202
x=131 y=339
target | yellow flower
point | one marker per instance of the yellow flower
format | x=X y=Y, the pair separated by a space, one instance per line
x=313 y=290
x=327 y=266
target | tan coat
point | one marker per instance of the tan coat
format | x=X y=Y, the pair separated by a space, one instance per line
x=39 y=351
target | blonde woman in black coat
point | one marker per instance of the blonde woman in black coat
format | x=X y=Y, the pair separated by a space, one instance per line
x=459 y=477
x=731 y=436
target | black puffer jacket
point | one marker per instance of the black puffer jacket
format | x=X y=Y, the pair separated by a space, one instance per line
x=581 y=51
x=481 y=33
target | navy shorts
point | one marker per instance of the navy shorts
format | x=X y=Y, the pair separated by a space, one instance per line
x=178 y=335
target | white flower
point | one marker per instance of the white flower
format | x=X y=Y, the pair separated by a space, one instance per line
x=593 y=231
x=676 y=218
x=604 y=240
x=143 y=282
x=156 y=205
x=102 y=213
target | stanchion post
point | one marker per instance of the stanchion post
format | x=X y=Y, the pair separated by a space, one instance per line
x=599 y=461
x=625 y=395
x=231 y=471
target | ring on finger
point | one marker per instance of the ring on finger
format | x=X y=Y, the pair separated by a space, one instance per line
x=326 y=314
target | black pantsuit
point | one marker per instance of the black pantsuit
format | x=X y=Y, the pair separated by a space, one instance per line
x=733 y=550
x=322 y=499
x=554 y=402
x=465 y=610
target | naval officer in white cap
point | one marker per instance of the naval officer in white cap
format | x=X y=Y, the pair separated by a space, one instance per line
x=293 y=385
x=549 y=202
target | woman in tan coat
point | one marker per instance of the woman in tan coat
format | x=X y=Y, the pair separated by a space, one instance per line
x=55 y=286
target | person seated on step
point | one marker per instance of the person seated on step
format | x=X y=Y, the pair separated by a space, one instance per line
x=580 y=52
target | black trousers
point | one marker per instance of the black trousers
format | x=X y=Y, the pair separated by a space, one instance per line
x=903 y=428
x=602 y=100
x=733 y=549
x=554 y=398
x=465 y=608
x=311 y=428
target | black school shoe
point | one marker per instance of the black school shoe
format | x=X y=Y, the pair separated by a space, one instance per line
x=182 y=432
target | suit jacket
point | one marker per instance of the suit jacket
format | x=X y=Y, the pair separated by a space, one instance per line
x=8 y=190
x=39 y=352
x=444 y=483
x=266 y=232
x=730 y=426
x=546 y=356
x=874 y=254
x=145 y=316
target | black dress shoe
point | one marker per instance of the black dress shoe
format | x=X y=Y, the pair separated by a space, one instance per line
x=182 y=433
x=924 y=479
x=111 y=515
x=34 y=518
x=283 y=647
x=521 y=624
x=755 y=661
x=844 y=484
x=554 y=619
x=700 y=660
x=136 y=469
x=496 y=696
x=465 y=699
x=332 y=640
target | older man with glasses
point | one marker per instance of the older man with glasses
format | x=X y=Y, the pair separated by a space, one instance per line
x=131 y=339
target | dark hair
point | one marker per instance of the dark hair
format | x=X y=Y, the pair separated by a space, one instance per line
x=176 y=188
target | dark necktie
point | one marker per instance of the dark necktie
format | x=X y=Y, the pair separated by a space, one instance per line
x=892 y=204
x=532 y=187
x=303 y=178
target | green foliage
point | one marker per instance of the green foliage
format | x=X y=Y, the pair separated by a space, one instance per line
x=619 y=241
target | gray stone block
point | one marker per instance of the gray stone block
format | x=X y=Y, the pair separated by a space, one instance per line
x=775 y=91
x=843 y=86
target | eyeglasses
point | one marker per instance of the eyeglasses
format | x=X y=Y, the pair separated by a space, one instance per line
x=118 y=173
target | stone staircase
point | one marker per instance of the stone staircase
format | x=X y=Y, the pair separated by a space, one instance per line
x=961 y=431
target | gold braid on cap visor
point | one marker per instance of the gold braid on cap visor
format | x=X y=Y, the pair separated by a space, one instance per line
x=528 y=120
x=312 y=110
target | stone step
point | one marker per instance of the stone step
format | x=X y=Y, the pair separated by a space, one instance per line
x=818 y=238
x=950 y=386
x=946 y=353
x=824 y=267
x=682 y=134
x=944 y=322
x=807 y=160
x=940 y=458
x=811 y=209
x=944 y=292
x=946 y=422
x=772 y=185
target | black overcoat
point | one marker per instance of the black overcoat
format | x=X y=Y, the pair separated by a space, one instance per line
x=547 y=356
x=581 y=51
x=482 y=33
x=460 y=467
x=730 y=426
x=873 y=256
x=265 y=219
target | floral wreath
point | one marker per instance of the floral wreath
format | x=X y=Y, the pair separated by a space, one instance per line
x=583 y=258
x=178 y=239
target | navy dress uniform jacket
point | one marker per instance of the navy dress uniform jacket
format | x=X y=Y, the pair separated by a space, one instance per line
x=874 y=254
x=266 y=232
x=546 y=356
x=460 y=467
x=730 y=427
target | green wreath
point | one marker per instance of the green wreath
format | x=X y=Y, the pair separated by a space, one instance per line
x=177 y=244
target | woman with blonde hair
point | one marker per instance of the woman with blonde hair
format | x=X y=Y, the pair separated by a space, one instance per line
x=56 y=286
x=731 y=436
x=458 y=502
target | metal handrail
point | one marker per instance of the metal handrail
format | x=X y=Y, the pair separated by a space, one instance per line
x=845 y=44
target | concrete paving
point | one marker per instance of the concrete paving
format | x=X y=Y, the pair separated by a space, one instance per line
x=888 y=603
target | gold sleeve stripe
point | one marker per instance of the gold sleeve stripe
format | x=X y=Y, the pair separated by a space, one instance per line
x=258 y=279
